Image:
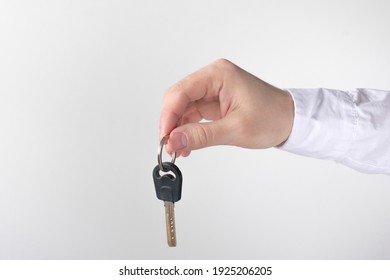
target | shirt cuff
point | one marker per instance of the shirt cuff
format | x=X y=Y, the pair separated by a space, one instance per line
x=324 y=123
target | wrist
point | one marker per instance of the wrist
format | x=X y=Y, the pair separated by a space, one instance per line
x=287 y=115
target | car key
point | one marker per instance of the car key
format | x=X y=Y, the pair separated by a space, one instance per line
x=168 y=188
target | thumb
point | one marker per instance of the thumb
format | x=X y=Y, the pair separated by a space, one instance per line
x=195 y=136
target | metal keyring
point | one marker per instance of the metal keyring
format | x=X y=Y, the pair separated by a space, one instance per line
x=159 y=154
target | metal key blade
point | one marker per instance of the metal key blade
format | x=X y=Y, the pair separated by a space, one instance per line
x=170 y=220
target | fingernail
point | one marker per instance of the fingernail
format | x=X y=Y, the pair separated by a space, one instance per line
x=179 y=140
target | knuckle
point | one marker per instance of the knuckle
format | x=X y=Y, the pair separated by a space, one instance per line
x=224 y=64
x=203 y=136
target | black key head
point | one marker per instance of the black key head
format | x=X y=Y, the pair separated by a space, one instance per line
x=168 y=186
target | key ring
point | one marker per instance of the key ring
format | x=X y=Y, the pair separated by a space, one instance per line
x=159 y=154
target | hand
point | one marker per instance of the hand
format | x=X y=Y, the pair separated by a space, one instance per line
x=243 y=110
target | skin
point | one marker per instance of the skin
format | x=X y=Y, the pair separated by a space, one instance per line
x=241 y=110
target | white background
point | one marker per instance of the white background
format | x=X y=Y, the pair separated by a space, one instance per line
x=81 y=85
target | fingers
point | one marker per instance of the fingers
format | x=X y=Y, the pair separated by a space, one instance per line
x=195 y=113
x=193 y=136
x=203 y=84
x=201 y=95
x=199 y=110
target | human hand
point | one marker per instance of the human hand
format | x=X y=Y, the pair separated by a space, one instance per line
x=243 y=110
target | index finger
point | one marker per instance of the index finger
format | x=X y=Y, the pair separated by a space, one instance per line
x=204 y=83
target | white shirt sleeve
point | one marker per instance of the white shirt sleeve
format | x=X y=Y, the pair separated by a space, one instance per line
x=349 y=127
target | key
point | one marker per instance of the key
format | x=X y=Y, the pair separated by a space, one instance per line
x=168 y=189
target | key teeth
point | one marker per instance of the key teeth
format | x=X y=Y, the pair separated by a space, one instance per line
x=170 y=223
